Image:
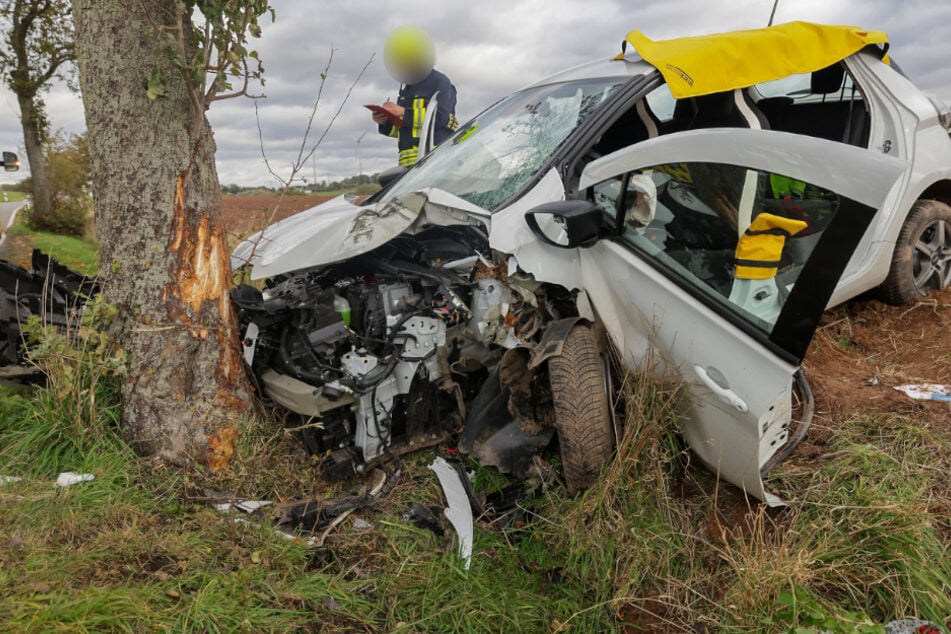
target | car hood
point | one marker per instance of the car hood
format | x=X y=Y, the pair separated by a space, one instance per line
x=338 y=229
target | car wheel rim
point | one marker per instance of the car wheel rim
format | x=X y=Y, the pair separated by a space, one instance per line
x=932 y=259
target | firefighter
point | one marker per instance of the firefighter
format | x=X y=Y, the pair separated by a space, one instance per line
x=409 y=56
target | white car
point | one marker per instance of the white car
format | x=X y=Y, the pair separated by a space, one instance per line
x=707 y=233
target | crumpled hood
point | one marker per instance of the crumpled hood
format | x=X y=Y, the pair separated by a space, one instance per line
x=338 y=229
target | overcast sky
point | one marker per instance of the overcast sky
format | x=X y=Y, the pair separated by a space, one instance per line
x=488 y=48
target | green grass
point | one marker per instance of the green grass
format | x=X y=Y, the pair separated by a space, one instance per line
x=656 y=544
x=78 y=254
x=11 y=197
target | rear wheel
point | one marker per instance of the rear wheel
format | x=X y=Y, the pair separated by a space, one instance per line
x=922 y=259
x=582 y=411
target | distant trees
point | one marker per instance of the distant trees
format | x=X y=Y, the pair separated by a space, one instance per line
x=37 y=47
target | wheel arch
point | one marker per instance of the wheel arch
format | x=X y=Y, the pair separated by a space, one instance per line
x=939 y=190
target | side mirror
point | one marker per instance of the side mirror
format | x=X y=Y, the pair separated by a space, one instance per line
x=390 y=175
x=10 y=162
x=567 y=223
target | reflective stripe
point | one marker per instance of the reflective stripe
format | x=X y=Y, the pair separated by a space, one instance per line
x=419 y=112
x=394 y=132
x=409 y=157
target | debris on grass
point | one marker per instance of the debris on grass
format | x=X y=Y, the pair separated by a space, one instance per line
x=927 y=392
x=68 y=478
x=458 y=511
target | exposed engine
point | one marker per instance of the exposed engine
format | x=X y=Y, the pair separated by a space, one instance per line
x=386 y=349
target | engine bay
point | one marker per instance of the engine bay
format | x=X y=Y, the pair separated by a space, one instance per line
x=389 y=351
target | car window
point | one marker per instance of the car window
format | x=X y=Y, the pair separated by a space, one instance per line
x=737 y=236
x=661 y=103
x=498 y=152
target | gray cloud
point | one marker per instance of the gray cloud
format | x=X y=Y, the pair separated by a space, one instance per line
x=489 y=49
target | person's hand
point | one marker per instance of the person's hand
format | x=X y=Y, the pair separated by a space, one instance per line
x=379 y=118
x=393 y=108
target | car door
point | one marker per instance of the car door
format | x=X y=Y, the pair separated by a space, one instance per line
x=724 y=248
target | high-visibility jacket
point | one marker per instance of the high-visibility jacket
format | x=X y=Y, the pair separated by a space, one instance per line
x=414 y=98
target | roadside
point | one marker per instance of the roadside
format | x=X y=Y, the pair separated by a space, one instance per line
x=657 y=545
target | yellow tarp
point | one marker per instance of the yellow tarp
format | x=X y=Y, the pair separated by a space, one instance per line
x=706 y=64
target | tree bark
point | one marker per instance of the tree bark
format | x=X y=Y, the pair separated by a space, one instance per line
x=163 y=253
x=39 y=171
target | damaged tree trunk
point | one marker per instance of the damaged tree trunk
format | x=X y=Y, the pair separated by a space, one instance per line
x=164 y=258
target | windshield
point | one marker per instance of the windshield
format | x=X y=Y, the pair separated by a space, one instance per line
x=494 y=155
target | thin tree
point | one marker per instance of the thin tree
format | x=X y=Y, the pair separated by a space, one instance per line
x=147 y=75
x=37 y=48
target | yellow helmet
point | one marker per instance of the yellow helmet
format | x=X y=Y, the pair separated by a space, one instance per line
x=409 y=54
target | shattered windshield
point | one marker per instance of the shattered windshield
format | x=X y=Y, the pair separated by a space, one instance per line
x=494 y=155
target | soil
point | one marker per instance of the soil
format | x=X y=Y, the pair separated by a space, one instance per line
x=243 y=215
x=864 y=349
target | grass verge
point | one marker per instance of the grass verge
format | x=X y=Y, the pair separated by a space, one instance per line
x=657 y=545
x=79 y=254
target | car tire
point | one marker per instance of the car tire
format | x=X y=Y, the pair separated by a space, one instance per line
x=582 y=411
x=922 y=259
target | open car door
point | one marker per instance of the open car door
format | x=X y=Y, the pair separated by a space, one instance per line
x=723 y=249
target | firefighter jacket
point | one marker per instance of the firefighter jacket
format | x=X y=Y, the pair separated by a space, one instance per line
x=414 y=98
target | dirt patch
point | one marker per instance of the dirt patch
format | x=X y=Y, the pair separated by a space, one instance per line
x=244 y=215
x=864 y=349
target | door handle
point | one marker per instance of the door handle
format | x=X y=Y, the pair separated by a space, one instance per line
x=726 y=395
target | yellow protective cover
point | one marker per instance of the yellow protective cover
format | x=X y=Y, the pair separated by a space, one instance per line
x=705 y=64
x=761 y=246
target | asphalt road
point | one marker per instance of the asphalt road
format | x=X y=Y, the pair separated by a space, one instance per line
x=7 y=210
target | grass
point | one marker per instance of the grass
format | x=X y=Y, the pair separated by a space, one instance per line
x=657 y=545
x=79 y=254
x=11 y=197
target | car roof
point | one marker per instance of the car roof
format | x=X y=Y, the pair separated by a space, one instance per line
x=627 y=68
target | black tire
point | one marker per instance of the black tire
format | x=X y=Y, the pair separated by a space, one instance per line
x=582 y=411
x=922 y=259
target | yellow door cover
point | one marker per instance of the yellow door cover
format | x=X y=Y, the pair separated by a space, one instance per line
x=705 y=64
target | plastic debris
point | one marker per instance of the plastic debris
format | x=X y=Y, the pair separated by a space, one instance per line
x=360 y=524
x=8 y=479
x=459 y=512
x=68 y=478
x=423 y=517
x=912 y=626
x=248 y=506
x=927 y=392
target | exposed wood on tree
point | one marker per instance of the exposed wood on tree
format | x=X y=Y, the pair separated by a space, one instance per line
x=164 y=256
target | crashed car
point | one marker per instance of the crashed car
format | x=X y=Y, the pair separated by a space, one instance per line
x=693 y=211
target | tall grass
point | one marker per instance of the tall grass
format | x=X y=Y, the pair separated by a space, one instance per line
x=656 y=545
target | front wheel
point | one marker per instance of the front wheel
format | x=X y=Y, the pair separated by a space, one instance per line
x=922 y=259
x=582 y=409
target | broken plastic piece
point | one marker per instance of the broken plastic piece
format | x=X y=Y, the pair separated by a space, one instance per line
x=248 y=506
x=927 y=392
x=360 y=524
x=68 y=478
x=459 y=513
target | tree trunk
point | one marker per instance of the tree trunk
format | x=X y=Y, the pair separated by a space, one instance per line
x=163 y=253
x=39 y=174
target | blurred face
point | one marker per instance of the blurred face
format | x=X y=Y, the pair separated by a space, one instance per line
x=409 y=54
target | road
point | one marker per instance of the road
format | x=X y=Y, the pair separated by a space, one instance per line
x=7 y=211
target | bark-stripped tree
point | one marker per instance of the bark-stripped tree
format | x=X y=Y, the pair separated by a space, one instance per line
x=37 y=48
x=147 y=75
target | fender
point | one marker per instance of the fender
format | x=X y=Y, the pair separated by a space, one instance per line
x=553 y=340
